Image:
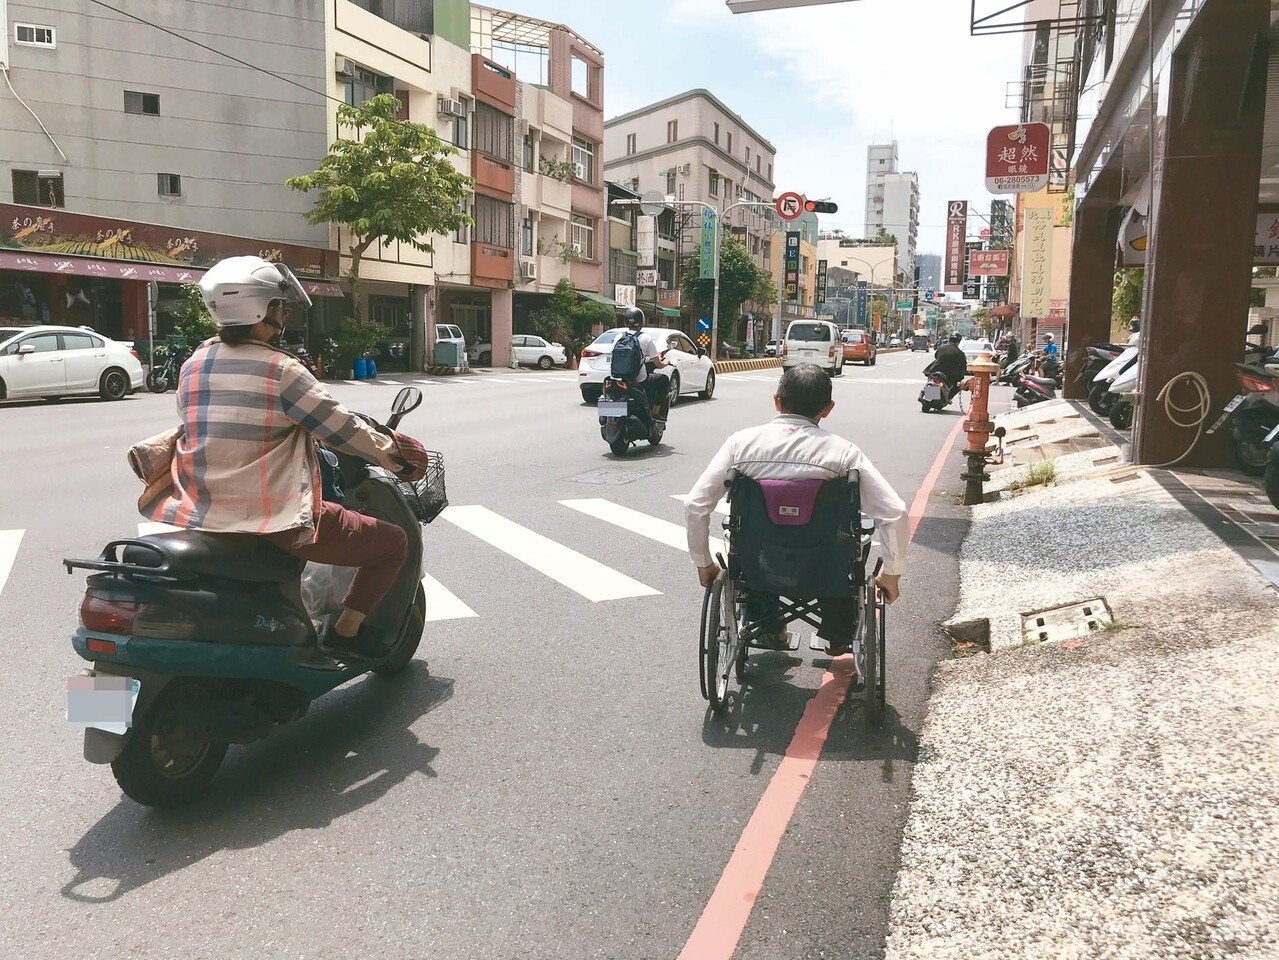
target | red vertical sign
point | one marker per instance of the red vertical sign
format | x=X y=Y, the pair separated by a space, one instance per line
x=956 y=231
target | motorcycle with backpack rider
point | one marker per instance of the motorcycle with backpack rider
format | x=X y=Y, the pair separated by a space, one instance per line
x=635 y=399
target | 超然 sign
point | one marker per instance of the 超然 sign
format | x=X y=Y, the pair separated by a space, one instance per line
x=1017 y=158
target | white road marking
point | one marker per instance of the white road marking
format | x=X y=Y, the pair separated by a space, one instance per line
x=581 y=574
x=880 y=380
x=721 y=507
x=429 y=383
x=9 y=542
x=441 y=604
x=663 y=531
x=146 y=528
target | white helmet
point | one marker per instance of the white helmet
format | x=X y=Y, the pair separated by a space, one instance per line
x=238 y=290
x=1048 y=337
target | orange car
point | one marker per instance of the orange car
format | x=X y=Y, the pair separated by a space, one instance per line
x=858 y=347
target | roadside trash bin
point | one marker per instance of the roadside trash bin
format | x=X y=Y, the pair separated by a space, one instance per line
x=360 y=368
x=371 y=368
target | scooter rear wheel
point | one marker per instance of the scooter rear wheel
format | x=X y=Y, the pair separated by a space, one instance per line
x=619 y=447
x=1121 y=415
x=403 y=654
x=163 y=765
x=1100 y=399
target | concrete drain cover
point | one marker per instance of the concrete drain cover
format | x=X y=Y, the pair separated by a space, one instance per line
x=1066 y=622
x=615 y=476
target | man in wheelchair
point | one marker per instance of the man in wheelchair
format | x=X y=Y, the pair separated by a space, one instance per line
x=792 y=447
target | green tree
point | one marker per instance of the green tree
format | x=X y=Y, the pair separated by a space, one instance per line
x=391 y=181
x=740 y=279
x=885 y=239
x=567 y=315
x=191 y=318
x=1125 y=301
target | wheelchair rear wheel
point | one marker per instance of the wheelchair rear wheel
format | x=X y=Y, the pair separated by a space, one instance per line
x=720 y=649
x=874 y=670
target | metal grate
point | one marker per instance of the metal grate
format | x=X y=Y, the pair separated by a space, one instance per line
x=1066 y=622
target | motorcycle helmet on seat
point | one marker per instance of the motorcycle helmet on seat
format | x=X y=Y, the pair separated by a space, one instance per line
x=238 y=290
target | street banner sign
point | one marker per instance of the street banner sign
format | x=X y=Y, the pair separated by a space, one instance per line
x=972 y=288
x=1036 y=278
x=790 y=205
x=647 y=241
x=903 y=305
x=668 y=298
x=930 y=294
x=791 y=279
x=956 y=230
x=862 y=298
x=704 y=324
x=1017 y=158
x=708 y=244
x=988 y=263
x=645 y=278
x=624 y=294
x=821 y=281
x=1265 y=245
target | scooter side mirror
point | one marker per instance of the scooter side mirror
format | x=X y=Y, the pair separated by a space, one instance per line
x=1258 y=330
x=406 y=401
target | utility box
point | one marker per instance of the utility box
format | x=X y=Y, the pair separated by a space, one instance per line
x=448 y=354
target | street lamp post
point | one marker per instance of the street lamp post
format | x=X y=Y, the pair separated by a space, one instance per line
x=719 y=219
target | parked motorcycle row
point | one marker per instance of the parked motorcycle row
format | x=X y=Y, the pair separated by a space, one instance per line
x=1253 y=414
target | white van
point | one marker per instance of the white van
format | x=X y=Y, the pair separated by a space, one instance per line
x=814 y=341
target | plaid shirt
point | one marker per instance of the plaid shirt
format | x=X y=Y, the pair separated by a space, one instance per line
x=244 y=461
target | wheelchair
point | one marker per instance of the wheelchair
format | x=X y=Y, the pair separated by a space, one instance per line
x=791 y=544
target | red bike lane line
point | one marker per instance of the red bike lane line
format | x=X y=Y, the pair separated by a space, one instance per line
x=723 y=921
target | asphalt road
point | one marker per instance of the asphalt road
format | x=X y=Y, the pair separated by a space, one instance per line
x=552 y=786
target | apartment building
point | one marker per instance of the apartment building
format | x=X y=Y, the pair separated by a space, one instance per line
x=892 y=204
x=693 y=148
x=139 y=156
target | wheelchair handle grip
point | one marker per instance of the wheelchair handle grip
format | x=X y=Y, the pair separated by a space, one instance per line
x=879 y=565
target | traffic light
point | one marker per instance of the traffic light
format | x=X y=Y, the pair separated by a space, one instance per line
x=820 y=206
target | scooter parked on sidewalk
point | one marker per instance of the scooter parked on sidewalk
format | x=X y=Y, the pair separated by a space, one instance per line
x=1098 y=357
x=1032 y=389
x=1100 y=399
x=1124 y=391
x=197 y=640
x=1255 y=414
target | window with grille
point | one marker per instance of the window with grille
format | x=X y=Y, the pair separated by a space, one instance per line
x=363 y=85
x=148 y=103
x=584 y=153
x=622 y=266
x=584 y=236
x=34 y=35
x=494 y=132
x=37 y=188
x=714 y=184
x=169 y=184
x=461 y=126
x=493 y=222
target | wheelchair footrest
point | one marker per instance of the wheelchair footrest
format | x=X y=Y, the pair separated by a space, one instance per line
x=820 y=646
x=792 y=643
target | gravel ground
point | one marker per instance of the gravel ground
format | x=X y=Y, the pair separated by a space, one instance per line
x=1117 y=797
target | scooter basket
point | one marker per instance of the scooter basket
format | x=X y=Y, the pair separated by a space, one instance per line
x=427 y=497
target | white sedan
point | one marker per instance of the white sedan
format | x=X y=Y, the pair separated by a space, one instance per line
x=690 y=370
x=528 y=349
x=64 y=362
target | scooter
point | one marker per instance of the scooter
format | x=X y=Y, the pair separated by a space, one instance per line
x=1255 y=412
x=626 y=417
x=1099 y=356
x=1032 y=389
x=937 y=393
x=200 y=640
x=1011 y=373
x=1124 y=391
x=1100 y=399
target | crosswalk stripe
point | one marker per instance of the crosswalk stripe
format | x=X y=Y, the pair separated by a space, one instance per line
x=9 y=541
x=876 y=380
x=663 y=531
x=442 y=604
x=581 y=574
x=721 y=507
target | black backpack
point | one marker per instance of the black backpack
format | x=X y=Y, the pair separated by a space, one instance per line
x=627 y=357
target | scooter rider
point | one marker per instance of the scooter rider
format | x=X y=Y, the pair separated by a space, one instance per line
x=655 y=384
x=950 y=362
x=245 y=462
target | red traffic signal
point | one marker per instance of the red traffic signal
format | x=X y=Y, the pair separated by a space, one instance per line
x=820 y=206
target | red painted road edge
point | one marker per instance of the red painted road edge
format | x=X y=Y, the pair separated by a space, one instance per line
x=720 y=927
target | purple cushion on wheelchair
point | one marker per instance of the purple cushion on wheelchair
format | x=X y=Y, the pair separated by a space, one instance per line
x=790 y=502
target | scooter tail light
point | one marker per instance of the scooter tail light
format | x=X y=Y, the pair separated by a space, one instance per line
x=1255 y=384
x=108 y=616
x=158 y=621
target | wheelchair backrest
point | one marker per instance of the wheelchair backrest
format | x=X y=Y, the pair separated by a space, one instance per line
x=796 y=538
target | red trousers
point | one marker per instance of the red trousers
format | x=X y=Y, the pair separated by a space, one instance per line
x=349 y=539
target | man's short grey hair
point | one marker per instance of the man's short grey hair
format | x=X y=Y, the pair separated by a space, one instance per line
x=804 y=390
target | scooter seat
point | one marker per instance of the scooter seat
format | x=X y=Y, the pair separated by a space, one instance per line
x=1042 y=381
x=191 y=554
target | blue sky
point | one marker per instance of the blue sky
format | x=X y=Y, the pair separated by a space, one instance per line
x=820 y=83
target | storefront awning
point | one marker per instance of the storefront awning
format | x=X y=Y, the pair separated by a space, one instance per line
x=598 y=298
x=128 y=270
x=668 y=311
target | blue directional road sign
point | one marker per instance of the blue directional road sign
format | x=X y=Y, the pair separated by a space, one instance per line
x=704 y=324
x=930 y=294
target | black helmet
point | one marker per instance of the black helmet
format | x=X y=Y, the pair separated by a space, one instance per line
x=633 y=317
x=955 y=338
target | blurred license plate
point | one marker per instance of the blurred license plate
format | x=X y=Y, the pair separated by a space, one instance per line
x=101 y=701
x=1230 y=407
x=612 y=409
x=808 y=353
x=932 y=392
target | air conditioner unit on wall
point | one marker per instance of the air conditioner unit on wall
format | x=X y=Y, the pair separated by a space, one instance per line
x=683 y=168
x=448 y=107
x=577 y=248
x=579 y=170
x=528 y=268
x=663 y=285
x=344 y=67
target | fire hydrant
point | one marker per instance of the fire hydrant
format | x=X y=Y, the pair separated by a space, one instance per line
x=978 y=427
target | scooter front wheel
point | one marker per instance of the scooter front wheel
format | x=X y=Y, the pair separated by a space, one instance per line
x=409 y=642
x=157 y=382
x=164 y=764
